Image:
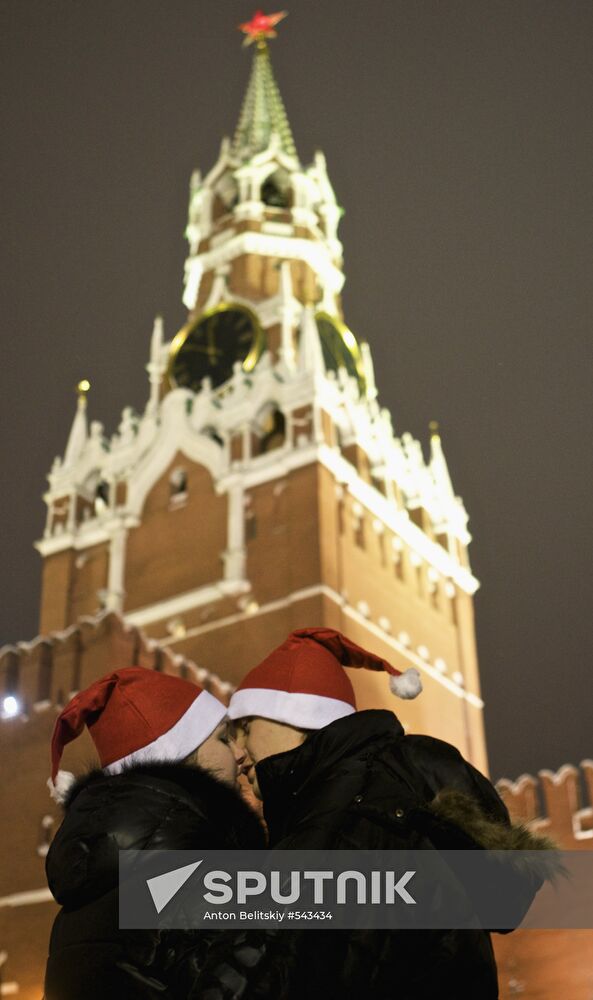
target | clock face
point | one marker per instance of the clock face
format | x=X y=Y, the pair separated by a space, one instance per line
x=340 y=347
x=210 y=346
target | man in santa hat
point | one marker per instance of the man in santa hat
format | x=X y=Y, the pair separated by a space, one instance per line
x=166 y=781
x=331 y=777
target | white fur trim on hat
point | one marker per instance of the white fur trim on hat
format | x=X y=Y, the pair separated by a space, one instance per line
x=305 y=711
x=407 y=685
x=198 y=723
x=60 y=788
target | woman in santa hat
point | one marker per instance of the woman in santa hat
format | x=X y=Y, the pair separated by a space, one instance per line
x=331 y=777
x=166 y=782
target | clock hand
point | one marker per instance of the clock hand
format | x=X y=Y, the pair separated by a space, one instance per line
x=210 y=351
x=210 y=336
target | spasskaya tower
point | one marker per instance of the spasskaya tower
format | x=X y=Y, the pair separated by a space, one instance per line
x=263 y=487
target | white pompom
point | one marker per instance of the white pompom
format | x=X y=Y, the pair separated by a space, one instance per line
x=63 y=783
x=407 y=685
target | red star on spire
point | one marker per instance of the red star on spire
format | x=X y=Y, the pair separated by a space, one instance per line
x=261 y=26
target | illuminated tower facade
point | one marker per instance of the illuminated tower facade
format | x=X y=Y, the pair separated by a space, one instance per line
x=262 y=489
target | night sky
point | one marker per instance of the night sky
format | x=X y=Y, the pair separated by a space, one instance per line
x=458 y=138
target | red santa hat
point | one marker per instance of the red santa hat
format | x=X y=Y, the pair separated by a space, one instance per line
x=135 y=715
x=303 y=682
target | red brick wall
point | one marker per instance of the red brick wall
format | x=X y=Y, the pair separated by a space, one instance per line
x=56 y=666
x=546 y=964
x=176 y=548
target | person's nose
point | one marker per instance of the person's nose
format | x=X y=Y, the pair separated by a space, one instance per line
x=240 y=754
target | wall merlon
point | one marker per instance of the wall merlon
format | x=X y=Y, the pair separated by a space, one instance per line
x=553 y=804
x=45 y=673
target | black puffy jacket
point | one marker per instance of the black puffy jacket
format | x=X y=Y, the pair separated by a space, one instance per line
x=152 y=807
x=360 y=783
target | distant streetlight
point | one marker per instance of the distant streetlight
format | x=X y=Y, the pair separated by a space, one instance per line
x=10 y=706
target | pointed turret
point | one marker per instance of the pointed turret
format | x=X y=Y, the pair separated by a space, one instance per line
x=155 y=366
x=369 y=370
x=79 y=430
x=438 y=462
x=262 y=114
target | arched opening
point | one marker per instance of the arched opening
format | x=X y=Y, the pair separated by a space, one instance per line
x=96 y=493
x=101 y=496
x=270 y=429
x=276 y=190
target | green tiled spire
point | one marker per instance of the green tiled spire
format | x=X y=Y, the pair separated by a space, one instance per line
x=262 y=112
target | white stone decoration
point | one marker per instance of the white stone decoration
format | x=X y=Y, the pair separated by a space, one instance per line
x=201 y=425
x=237 y=184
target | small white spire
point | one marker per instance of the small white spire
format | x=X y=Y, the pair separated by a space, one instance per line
x=310 y=350
x=97 y=436
x=126 y=431
x=319 y=160
x=155 y=367
x=369 y=370
x=285 y=295
x=438 y=463
x=416 y=472
x=79 y=430
x=156 y=341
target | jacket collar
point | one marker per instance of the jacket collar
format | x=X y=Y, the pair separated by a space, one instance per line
x=177 y=779
x=154 y=805
x=285 y=778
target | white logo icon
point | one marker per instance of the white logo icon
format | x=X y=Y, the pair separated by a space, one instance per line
x=163 y=887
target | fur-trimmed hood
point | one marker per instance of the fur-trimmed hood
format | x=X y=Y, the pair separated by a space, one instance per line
x=156 y=806
x=456 y=821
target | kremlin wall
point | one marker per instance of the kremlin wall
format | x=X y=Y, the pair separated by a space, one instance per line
x=533 y=964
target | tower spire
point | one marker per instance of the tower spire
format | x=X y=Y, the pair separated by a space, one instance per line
x=262 y=114
x=438 y=462
x=79 y=430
